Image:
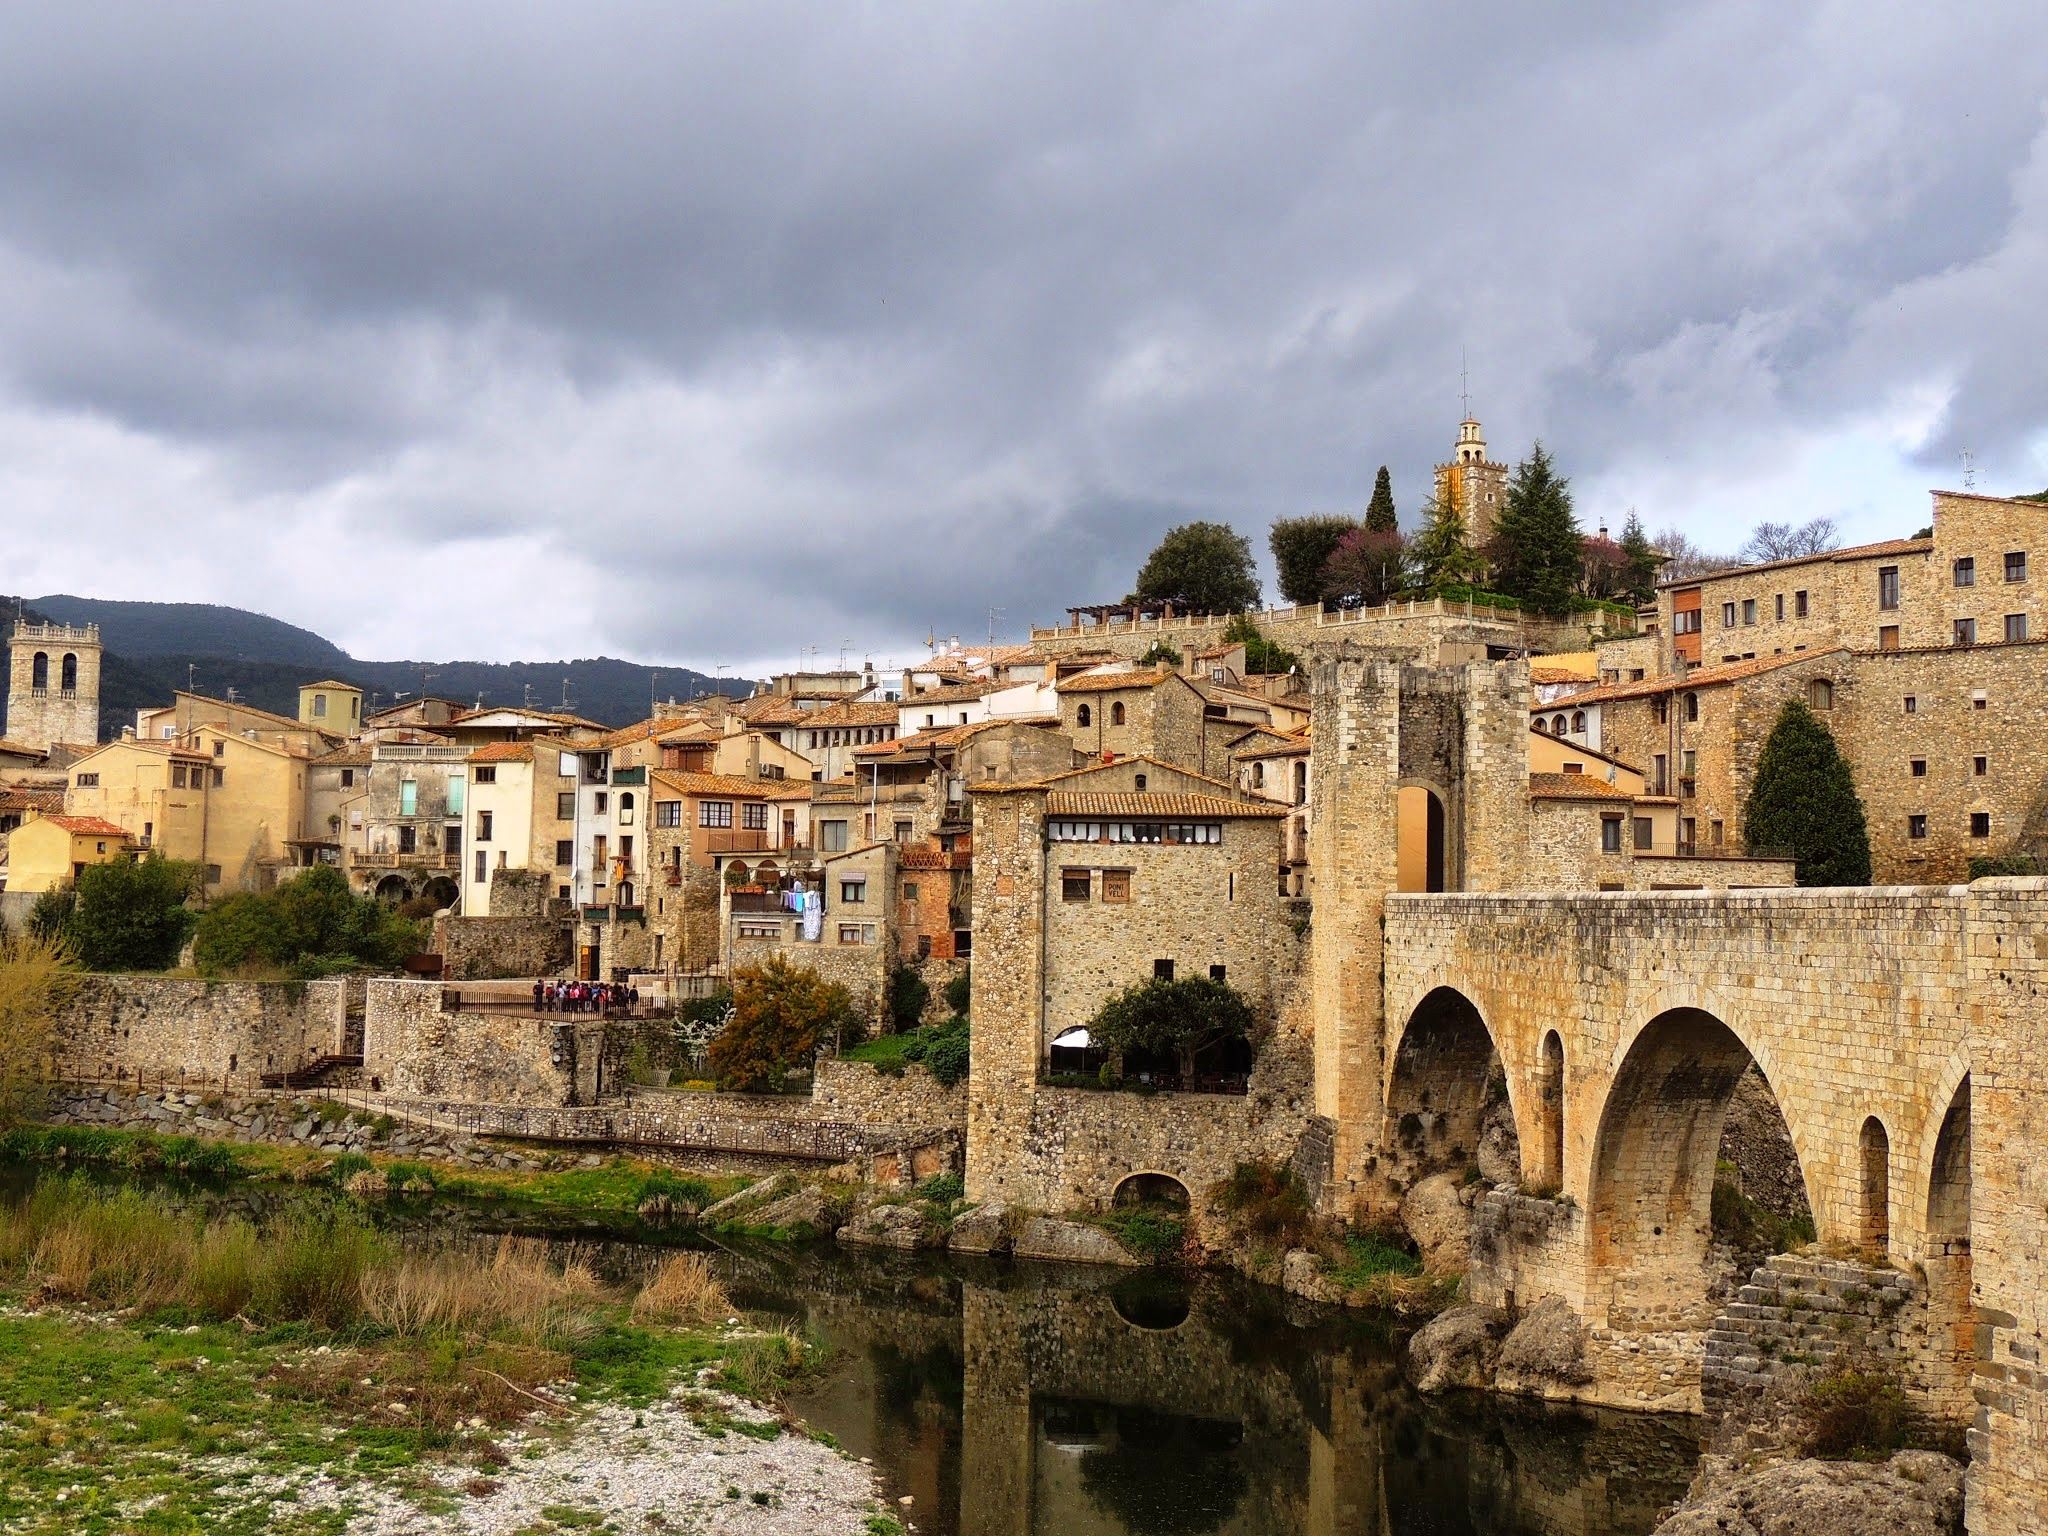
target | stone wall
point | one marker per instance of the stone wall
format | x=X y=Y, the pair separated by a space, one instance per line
x=1429 y=631
x=856 y=1092
x=527 y=933
x=414 y=1047
x=863 y=969
x=227 y=1033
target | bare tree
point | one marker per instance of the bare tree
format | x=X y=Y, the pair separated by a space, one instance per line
x=1682 y=559
x=1782 y=541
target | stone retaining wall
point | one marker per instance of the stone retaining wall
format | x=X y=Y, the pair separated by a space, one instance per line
x=223 y=1033
x=855 y=1091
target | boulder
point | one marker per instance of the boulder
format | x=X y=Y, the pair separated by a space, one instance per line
x=754 y=1194
x=1070 y=1242
x=1499 y=1153
x=805 y=1212
x=1916 y=1493
x=985 y=1229
x=1457 y=1348
x=1302 y=1274
x=1437 y=1215
x=903 y=1227
x=1545 y=1353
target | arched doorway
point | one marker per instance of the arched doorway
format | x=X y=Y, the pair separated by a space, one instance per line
x=1447 y=1094
x=1546 y=1172
x=1151 y=1189
x=1651 y=1202
x=1420 y=856
x=1874 y=1155
x=441 y=891
x=1948 y=1188
x=392 y=889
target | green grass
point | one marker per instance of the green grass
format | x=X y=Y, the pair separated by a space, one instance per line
x=1151 y=1233
x=1366 y=1256
x=882 y=1050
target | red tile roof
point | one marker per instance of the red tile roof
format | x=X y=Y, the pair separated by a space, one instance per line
x=1153 y=807
x=88 y=826
x=1109 y=682
x=1573 y=786
x=954 y=693
x=1853 y=552
x=855 y=712
x=725 y=786
x=503 y=752
x=1699 y=677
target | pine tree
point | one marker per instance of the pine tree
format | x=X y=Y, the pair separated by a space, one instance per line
x=1441 y=554
x=1804 y=801
x=1379 y=512
x=1640 y=574
x=1538 y=551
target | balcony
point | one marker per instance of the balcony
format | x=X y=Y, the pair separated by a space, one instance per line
x=743 y=840
x=629 y=776
x=756 y=903
x=430 y=858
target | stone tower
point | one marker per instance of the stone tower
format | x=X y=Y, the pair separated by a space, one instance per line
x=1473 y=483
x=53 y=689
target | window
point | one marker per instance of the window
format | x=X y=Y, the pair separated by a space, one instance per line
x=483 y=866
x=1965 y=572
x=177 y=775
x=1980 y=700
x=1686 y=621
x=668 y=813
x=1692 y=706
x=1980 y=823
x=849 y=933
x=1574 y=767
x=760 y=930
x=1798 y=605
x=717 y=813
x=754 y=816
x=1748 y=612
x=1558 y=725
x=408 y=840
x=220 y=749
x=483 y=826
x=1979 y=767
x=1140 y=782
x=319 y=706
x=1966 y=632
x=348 y=778
x=1074 y=885
x=453 y=800
x=565 y=853
x=565 y=805
x=1912 y=704
x=1820 y=694
x=1727 y=615
x=1116 y=713
x=1919 y=767
x=1888 y=586
x=832 y=837
x=219 y=775
x=1661 y=708
x=487 y=775
x=1162 y=970
x=625 y=810
x=1888 y=637
x=601 y=803
x=408 y=798
x=1778 y=611
x=88 y=781
x=1083 y=716
x=1687 y=760
x=213 y=874
x=1916 y=826
x=910 y=890
x=1578 y=722
x=1659 y=776
x=1116 y=885
x=1645 y=831
x=2016 y=565
x=1610 y=834
x=2015 y=628
x=854 y=892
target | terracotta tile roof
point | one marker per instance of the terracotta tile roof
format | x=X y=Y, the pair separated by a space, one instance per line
x=1293 y=747
x=552 y=716
x=1152 y=807
x=19 y=749
x=1108 y=682
x=1558 y=675
x=246 y=709
x=88 y=826
x=1593 y=752
x=49 y=802
x=855 y=712
x=355 y=755
x=1699 y=677
x=161 y=748
x=1573 y=786
x=455 y=706
x=953 y=693
x=942 y=736
x=503 y=752
x=1075 y=773
x=1853 y=552
x=332 y=682
x=728 y=786
x=770 y=709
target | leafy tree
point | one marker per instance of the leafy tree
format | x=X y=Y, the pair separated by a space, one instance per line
x=1201 y=568
x=1260 y=654
x=1379 y=512
x=1603 y=568
x=1804 y=800
x=1369 y=567
x=781 y=1014
x=131 y=914
x=943 y=1048
x=1181 y=1018
x=1537 y=549
x=960 y=991
x=1639 y=575
x=35 y=977
x=49 y=918
x=1160 y=651
x=1301 y=548
x=909 y=993
x=1782 y=541
x=1441 y=553
x=313 y=924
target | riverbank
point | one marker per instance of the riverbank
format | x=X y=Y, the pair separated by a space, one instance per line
x=165 y=1366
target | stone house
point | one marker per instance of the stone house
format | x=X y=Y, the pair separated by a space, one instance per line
x=1278 y=769
x=507 y=722
x=828 y=737
x=1150 y=712
x=729 y=747
x=187 y=712
x=423 y=712
x=409 y=804
x=848 y=935
x=706 y=824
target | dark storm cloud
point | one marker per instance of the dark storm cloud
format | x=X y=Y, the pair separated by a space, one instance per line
x=736 y=329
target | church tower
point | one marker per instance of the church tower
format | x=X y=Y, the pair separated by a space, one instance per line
x=53 y=685
x=1473 y=483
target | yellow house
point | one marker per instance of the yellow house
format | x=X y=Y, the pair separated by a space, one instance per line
x=334 y=707
x=154 y=791
x=256 y=808
x=45 y=852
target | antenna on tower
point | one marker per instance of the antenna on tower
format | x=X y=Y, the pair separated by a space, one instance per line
x=993 y=615
x=1969 y=470
x=1464 y=386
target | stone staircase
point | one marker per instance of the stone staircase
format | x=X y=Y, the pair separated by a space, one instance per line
x=1798 y=1311
x=331 y=1071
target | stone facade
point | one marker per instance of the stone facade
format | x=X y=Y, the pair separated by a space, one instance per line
x=53 y=685
x=527 y=934
x=1157 y=714
x=415 y=1046
x=856 y=1092
x=223 y=1033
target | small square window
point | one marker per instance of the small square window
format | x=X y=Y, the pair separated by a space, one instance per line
x=1162 y=970
x=1912 y=705
x=1980 y=823
x=1980 y=700
x=1074 y=885
x=348 y=778
x=853 y=892
x=1219 y=973
x=565 y=853
x=1965 y=631
x=1727 y=615
x=1919 y=767
x=1888 y=637
x=1916 y=826
x=1980 y=766
x=1748 y=612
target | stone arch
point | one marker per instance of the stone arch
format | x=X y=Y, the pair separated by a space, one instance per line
x=1948 y=1178
x=1084 y=717
x=1423 y=856
x=1650 y=1185
x=39 y=670
x=1116 y=713
x=1150 y=1186
x=393 y=889
x=1442 y=1078
x=67 y=674
x=441 y=891
x=1544 y=1162
x=1874 y=1166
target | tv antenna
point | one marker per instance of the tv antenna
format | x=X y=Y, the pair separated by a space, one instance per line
x=1464 y=386
x=191 y=674
x=993 y=615
x=1969 y=470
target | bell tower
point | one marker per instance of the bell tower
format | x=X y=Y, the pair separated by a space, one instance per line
x=1472 y=482
x=53 y=684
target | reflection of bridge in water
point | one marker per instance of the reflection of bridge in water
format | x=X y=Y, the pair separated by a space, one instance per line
x=1094 y=1403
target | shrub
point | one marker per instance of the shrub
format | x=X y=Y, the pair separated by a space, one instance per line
x=130 y=915
x=959 y=992
x=311 y=925
x=1160 y=651
x=2005 y=864
x=1268 y=1201
x=909 y=994
x=1855 y=1415
x=781 y=1013
x=1181 y=1018
x=943 y=1049
x=683 y=1290
x=1147 y=1231
x=942 y=1188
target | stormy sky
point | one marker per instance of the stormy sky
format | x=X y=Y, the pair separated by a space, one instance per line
x=707 y=333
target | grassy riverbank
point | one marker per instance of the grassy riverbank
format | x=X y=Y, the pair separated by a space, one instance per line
x=162 y=1370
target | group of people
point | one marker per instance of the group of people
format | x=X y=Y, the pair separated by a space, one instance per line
x=583 y=997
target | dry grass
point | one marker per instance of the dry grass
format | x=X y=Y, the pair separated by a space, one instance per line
x=683 y=1290
x=510 y=1288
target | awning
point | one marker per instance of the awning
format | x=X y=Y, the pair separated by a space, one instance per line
x=1075 y=1039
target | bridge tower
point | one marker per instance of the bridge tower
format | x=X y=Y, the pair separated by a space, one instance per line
x=53 y=684
x=1418 y=781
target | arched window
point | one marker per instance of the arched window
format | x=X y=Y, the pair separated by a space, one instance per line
x=1578 y=722
x=39 y=671
x=626 y=809
x=68 y=676
x=1116 y=713
x=1084 y=716
x=1820 y=693
x=1876 y=1147
x=1258 y=775
x=1692 y=706
x=1542 y=726
x=1557 y=725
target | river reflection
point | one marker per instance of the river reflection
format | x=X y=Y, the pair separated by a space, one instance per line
x=1013 y=1402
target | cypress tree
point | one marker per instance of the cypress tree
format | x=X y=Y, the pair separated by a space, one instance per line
x=1640 y=573
x=1379 y=512
x=1804 y=800
x=1538 y=551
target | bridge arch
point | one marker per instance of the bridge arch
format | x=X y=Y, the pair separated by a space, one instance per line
x=1948 y=1175
x=1650 y=1185
x=1442 y=1076
x=1149 y=1186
